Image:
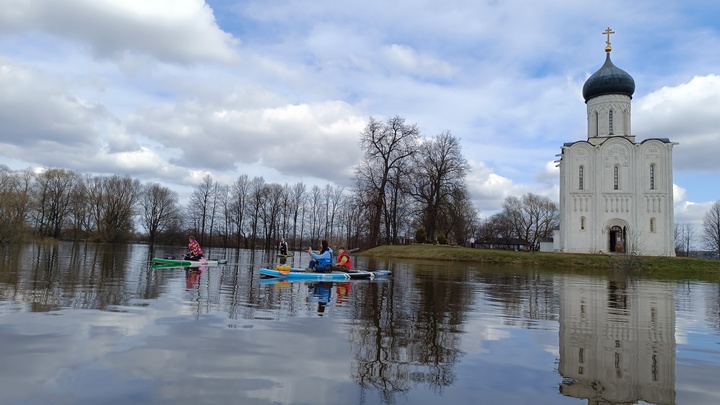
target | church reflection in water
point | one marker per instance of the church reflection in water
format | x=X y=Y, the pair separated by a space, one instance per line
x=617 y=342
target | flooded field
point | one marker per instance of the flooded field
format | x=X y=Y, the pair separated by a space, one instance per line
x=95 y=324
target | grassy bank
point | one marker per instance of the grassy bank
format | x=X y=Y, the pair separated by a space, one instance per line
x=678 y=266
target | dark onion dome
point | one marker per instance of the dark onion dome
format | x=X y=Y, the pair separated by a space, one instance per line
x=610 y=79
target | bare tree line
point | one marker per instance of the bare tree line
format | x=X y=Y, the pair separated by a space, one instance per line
x=63 y=204
x=59 y=203
x=689 y=238
x=406 y=188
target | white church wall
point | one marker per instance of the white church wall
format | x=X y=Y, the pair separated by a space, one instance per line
x=617 y=153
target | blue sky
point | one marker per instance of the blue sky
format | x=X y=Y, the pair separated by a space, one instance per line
x=171 y=90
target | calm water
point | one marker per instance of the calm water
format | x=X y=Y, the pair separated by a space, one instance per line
x=93 y=324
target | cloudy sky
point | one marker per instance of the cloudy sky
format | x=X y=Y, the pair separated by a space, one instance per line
x=171 y=90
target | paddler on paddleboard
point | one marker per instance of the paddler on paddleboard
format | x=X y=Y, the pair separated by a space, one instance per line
x=194 y=250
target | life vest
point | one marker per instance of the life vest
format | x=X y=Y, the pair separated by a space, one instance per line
x=348 y=263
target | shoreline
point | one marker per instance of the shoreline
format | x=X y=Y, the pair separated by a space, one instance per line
x=655 y=265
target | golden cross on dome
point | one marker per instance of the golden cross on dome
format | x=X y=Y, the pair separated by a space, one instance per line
x=607 y=32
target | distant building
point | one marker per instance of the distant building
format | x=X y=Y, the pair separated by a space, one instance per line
x=504 y=244
x=616 y=195
x=546 y=245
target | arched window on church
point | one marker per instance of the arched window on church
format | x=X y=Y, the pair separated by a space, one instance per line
x=582 y=223
x=610 y=122
x=581 y=173
x=616 y=178
x=652 y=176
x=652 y=225
x=596 y=126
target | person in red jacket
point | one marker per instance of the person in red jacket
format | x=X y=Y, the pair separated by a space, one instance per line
x=344 y=261
x=194 y=250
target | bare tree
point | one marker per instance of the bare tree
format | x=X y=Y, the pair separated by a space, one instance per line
x=271 y=210
x=402 y=219
x=384 y=146
x=530 y=218
x=14 y=203
x=286 y=210
x=315 y=214
x=51 y=200
x=685 y=235
x=545 y=216
x=439 y=171
x=239 y=194
x=113 y=200
x=81 y=209
x=159 y=210
x=333 y=197
x=368 y=181
x=711 y=229
x=214 y=206
x=356 y=215
x=256 y=199
x=226 y=226
x=201 y=207
x=512 y=212
x=457 y=218
x=500 y=225
x=399 y=205
x=297 y=207
x=347 y=227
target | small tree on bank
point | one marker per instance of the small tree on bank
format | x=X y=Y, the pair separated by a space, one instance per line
x=711 y=229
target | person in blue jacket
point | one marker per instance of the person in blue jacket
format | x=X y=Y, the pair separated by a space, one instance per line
x=321 y=263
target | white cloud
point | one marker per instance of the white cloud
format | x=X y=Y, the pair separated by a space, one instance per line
x=689 y=212
x=39 y=115
x=550 y=176
x=488 y=190
x=282 y=89
x=687 y=114
x=177 y=31
x=315 y=140
x=407 y=59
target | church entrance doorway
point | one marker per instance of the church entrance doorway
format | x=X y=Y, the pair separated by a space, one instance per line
x=617 y=240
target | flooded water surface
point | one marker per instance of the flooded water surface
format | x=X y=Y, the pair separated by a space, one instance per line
x=95 y=324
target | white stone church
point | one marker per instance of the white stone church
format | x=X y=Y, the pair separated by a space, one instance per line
x=616 y=195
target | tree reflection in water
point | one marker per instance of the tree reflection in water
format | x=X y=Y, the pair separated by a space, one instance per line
x=407 y=336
